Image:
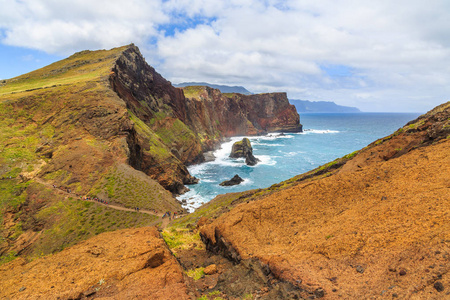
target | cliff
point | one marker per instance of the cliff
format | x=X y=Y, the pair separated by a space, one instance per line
x=373 y=224
x=214 y=115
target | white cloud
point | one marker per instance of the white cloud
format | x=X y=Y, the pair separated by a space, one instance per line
x=66 y=26
x=396 y=50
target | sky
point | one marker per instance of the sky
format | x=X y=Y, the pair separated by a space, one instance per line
x=380 y=56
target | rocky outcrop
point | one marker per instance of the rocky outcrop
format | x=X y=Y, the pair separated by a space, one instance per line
x=215 y=115
x=378 y=229
x=233 y=181
x=161 y=140
x=244 y=149
x=126 y=264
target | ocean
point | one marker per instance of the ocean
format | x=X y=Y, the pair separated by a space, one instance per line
x=325 y=138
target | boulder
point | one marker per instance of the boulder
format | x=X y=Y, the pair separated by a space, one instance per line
x=244 y=149
x=210 y=270
x=233 y=181
x=250 y=160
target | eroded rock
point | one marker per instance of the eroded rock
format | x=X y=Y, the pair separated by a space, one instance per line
x=233 y=181
x=244 y=149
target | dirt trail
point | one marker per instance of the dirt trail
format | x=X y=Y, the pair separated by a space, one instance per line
x=163 y=221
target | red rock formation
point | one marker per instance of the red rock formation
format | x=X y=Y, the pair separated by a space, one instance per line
x=215 y=115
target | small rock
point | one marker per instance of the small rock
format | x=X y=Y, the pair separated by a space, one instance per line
x=402 y=272
x=359 y=269
x=210 y=270
x=392 y=269
x=438 y=286
x=394 y=295
x=319 y=293
x=22 y=289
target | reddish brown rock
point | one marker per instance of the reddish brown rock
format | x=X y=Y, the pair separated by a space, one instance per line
x=210 y=270
x=126 y=264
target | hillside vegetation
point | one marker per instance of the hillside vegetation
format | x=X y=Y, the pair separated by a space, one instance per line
x=64 y=127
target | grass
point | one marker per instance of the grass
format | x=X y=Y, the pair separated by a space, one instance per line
x=69 y=221
x=130 y=188
x=156 y=146
x=12 y=194
x=175 y=131
x=178 y=238
x=40 y=114
x=80 y=67
x=196 y=274
x=10 y=256
x=66 y=221
x=193 y=91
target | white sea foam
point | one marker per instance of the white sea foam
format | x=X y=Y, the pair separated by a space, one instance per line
x=292 y=153
x=208 y=180
x=266 y=144
x=247 y=181
x=318 y=131
x=193 y=200
x=265 y=160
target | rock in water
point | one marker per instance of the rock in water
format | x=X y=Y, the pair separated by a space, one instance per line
x=233 y=181
x=244 y=149
x=250 y=160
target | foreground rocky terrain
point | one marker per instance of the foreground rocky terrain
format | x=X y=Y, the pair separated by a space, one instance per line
x=125 y=264
x=374 y=226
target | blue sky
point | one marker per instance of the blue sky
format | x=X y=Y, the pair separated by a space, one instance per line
x=375 y=55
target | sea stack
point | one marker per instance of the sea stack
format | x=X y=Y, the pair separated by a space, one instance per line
x=244 y=149
x=233 y=181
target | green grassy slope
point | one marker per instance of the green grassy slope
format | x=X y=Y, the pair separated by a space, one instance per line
x=63 y=125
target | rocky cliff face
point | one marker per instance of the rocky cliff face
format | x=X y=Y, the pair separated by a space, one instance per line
x=215 y=115
x=191 y=122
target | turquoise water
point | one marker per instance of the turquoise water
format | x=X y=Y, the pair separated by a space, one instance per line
x=325 y=138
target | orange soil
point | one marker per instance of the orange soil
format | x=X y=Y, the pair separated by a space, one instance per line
x=379 y=232
x=125 y=264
